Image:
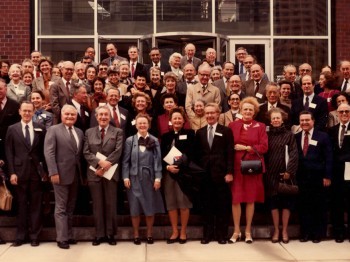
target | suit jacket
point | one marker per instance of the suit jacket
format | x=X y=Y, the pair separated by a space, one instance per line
x=194 y=92
x=140 y=69
x=320 y=112
x=82 y=123
x=181 y=86
x=20 y=155
x=217 y=160
x=44 y=118
x=24 y=92
x=226 y=118
x=263 y=117
x=61 y=156
x=58 y=98
x=248 y=88
x=222 y=87
x=38 y=83
x=195 y=62
x=117 y=57
x=111 y=147
x=318 y=162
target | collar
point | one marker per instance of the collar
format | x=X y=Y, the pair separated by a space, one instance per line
x=30 y=124
x=67 y=127
x=310 y=133
x=310 y=97
x=214 y=126
x=77 y=105
x=111 y=107
x=346 y=125
x=269 y=104
x=138 y=135
x=3 y=102
x=99 y=128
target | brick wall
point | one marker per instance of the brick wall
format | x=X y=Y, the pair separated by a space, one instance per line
x=15 y=30
x=342 y=20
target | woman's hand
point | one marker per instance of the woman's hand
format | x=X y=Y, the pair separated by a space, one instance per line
x=173 y=169
x=239 y=147
x=286 y=175
x=156 y=185
x=127 y=183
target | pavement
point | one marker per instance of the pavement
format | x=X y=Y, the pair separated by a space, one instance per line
x=192 y=251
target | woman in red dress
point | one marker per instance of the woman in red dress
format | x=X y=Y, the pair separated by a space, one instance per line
x=247 y=133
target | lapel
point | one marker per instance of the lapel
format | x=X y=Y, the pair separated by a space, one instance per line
x=36 y=134
x=135 y=150
x=110 y=133
x=229 y=116
x=12 y=88
x=21 y=135
x=64 y=89
x=66 y=134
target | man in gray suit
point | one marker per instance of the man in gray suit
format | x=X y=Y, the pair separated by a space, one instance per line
x=107 y=140
x=112 y=55
x=63 y=150
x=228 y=71
x=189 y=58
x=256 y=86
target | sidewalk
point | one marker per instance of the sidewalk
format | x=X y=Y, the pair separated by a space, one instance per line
x=193 y=251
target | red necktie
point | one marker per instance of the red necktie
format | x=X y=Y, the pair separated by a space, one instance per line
x=102 y=134
x=132 y=69
x=306 y=143
x=67 y=86
x=115 y=117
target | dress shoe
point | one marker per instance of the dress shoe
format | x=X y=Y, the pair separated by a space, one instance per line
x=97 y=241
x=339 y=238
x=150 y=240
x=111 y=240
x=72 y=241
x=172 y=240
x=182 y=240
x=248 y=238
x=2 y=242
x=17 y=243
x=235 y=238
x=34 y=243
x=137 y=241
x=222 y=241
x=316 y=240
x=205 y=241
x=63 y=244
x=304 y=238
x=285 y=238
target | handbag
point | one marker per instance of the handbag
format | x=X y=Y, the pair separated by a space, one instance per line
x=5 y=197
x=251 y=167
x=285 y=188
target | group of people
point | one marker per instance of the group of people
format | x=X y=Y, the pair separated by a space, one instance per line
x=175 y=135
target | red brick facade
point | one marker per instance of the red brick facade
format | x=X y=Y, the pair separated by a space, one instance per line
x=342 y=25
x=15 y=30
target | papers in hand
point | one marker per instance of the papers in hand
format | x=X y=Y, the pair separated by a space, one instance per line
x=173 y=153
x=347 y=171
x=108 y=174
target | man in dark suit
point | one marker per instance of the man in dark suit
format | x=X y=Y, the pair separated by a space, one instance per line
x=290 y=74
x=135 y=67
x=108 y=141
x=214 y=147
x=241 y=54
x=256 y=85
x=310 y=102
x=340 y=188
x=272 y=95
x=189 y=58
x=111 y=50
x=60 y=91
x=222 y=84
x=156 y=56
x=79 y=100
x=313 y=176
x=187 y=79
x=344 y=83
x=8 y=116
x=24 y=152
x=63 y=150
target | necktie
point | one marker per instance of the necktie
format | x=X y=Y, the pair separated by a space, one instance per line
x=67 y=87
x=257 y=87
x=203 y=87
x=132 y=69
x=241 y=69
x=115 y=117
x=342 y=134
x=306 y=106
x=210 y=136
x=102 y=134
x=37 y=74
x=272 y=107
x=306 y=143
x=155 y=64
x=82 y=114
x=111 y=61
x=72 y=138
x=345 y=86
x=189 y=61
x=28 y=136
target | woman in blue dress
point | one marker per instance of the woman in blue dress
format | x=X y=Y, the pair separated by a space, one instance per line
x=142 y=173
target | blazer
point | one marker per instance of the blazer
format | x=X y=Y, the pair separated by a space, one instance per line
x=61 y=156
x=20 y=155
x=217 y=160
x=58 y=98
x=249 y=86
x=318 y=161
x=320 y=112
x=24 y=92
x=38 y=83
x=195 y=62
x=181 y=86
x=111 y=147
x=194 y=92
x=262 y=116
x=140 y=69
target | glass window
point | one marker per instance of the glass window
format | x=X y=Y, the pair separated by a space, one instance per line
x=299 y=51
x=64 y=49
x=121 y=17
x=300 y=17
x=243 y=17
x=66 y=17
x=183 y=15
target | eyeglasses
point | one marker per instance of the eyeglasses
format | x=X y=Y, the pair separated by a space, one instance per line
x=344 y=111
x=103 y=69
x=305 y=70
x=204 y=75
x=234 y=81
x=235 y=99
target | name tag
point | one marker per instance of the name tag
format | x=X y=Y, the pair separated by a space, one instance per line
x=122 y=116
x=43 y=115
x=267 y=128
x=170 y=124
x=38 y=129
x=20 y=92
x=218 y=134
x=101 y=104
x=329 y=99
x=347 y=133
x=133 y=122
x=162 y=73
x=86 y=113
x=258 y=95
x=183 y=137
x=312 y=105
x=313 y=142
x=239 y=116
x=51 y=83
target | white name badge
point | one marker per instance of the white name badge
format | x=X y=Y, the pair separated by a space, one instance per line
x=313 y=142
x=218 y=134
x=101 y=104
x=258 y=95
x=51 y=83
x=86 y=113
x=122 y=116
x=329 y=99
x=170 y=124
x=20 y=92
x=162 y=73
x=133 y=122
x=183 y=137
x=267 y=128
x=312 y=105
x=239 y=116
x=43 y=115
x=38 y=129
x=347 y=133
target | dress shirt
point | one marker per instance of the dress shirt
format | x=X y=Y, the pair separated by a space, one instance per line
x=270 y=106
x=105 y=128
x=74 y=134
x=3 y=103
x=303 y=136
x=65 y=83
x=31 y=130
x=116 y=110
x=340 y=128
x=310 y=98
x=347 y=86
x=77 y=106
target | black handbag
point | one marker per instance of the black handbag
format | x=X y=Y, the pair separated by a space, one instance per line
x=285 y=188
x=251 y=167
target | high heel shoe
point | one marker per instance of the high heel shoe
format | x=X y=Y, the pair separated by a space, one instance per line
x=248 y=238
x=285 y=239
x=275 y=237
x=235 y=238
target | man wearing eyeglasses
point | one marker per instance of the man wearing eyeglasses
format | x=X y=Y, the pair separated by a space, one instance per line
x=304 y=69
x=235 y=87
x=340 y=188
x=102 y=70
x=241 y=54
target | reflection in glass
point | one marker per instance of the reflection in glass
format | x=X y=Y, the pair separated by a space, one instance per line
x=297 y=17
x=183 y=15
x=243 y=17
x=299 y=51
x=125 y=17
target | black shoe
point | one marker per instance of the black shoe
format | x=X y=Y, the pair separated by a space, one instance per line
x=2 y=242
x=34 y=243
x=63 y=244
x=111 y=240
x=316 y=240
x=222 y=241
x=97 y=241
x=137 y=241
x=339 y=238
x=172 y=240
x=72 y=241
x=150 y=240
x=304 y=238
x=182 y=241
x=205 y=241
x=17 y=243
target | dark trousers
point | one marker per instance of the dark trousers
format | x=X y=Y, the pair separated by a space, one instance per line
x=340 y=199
